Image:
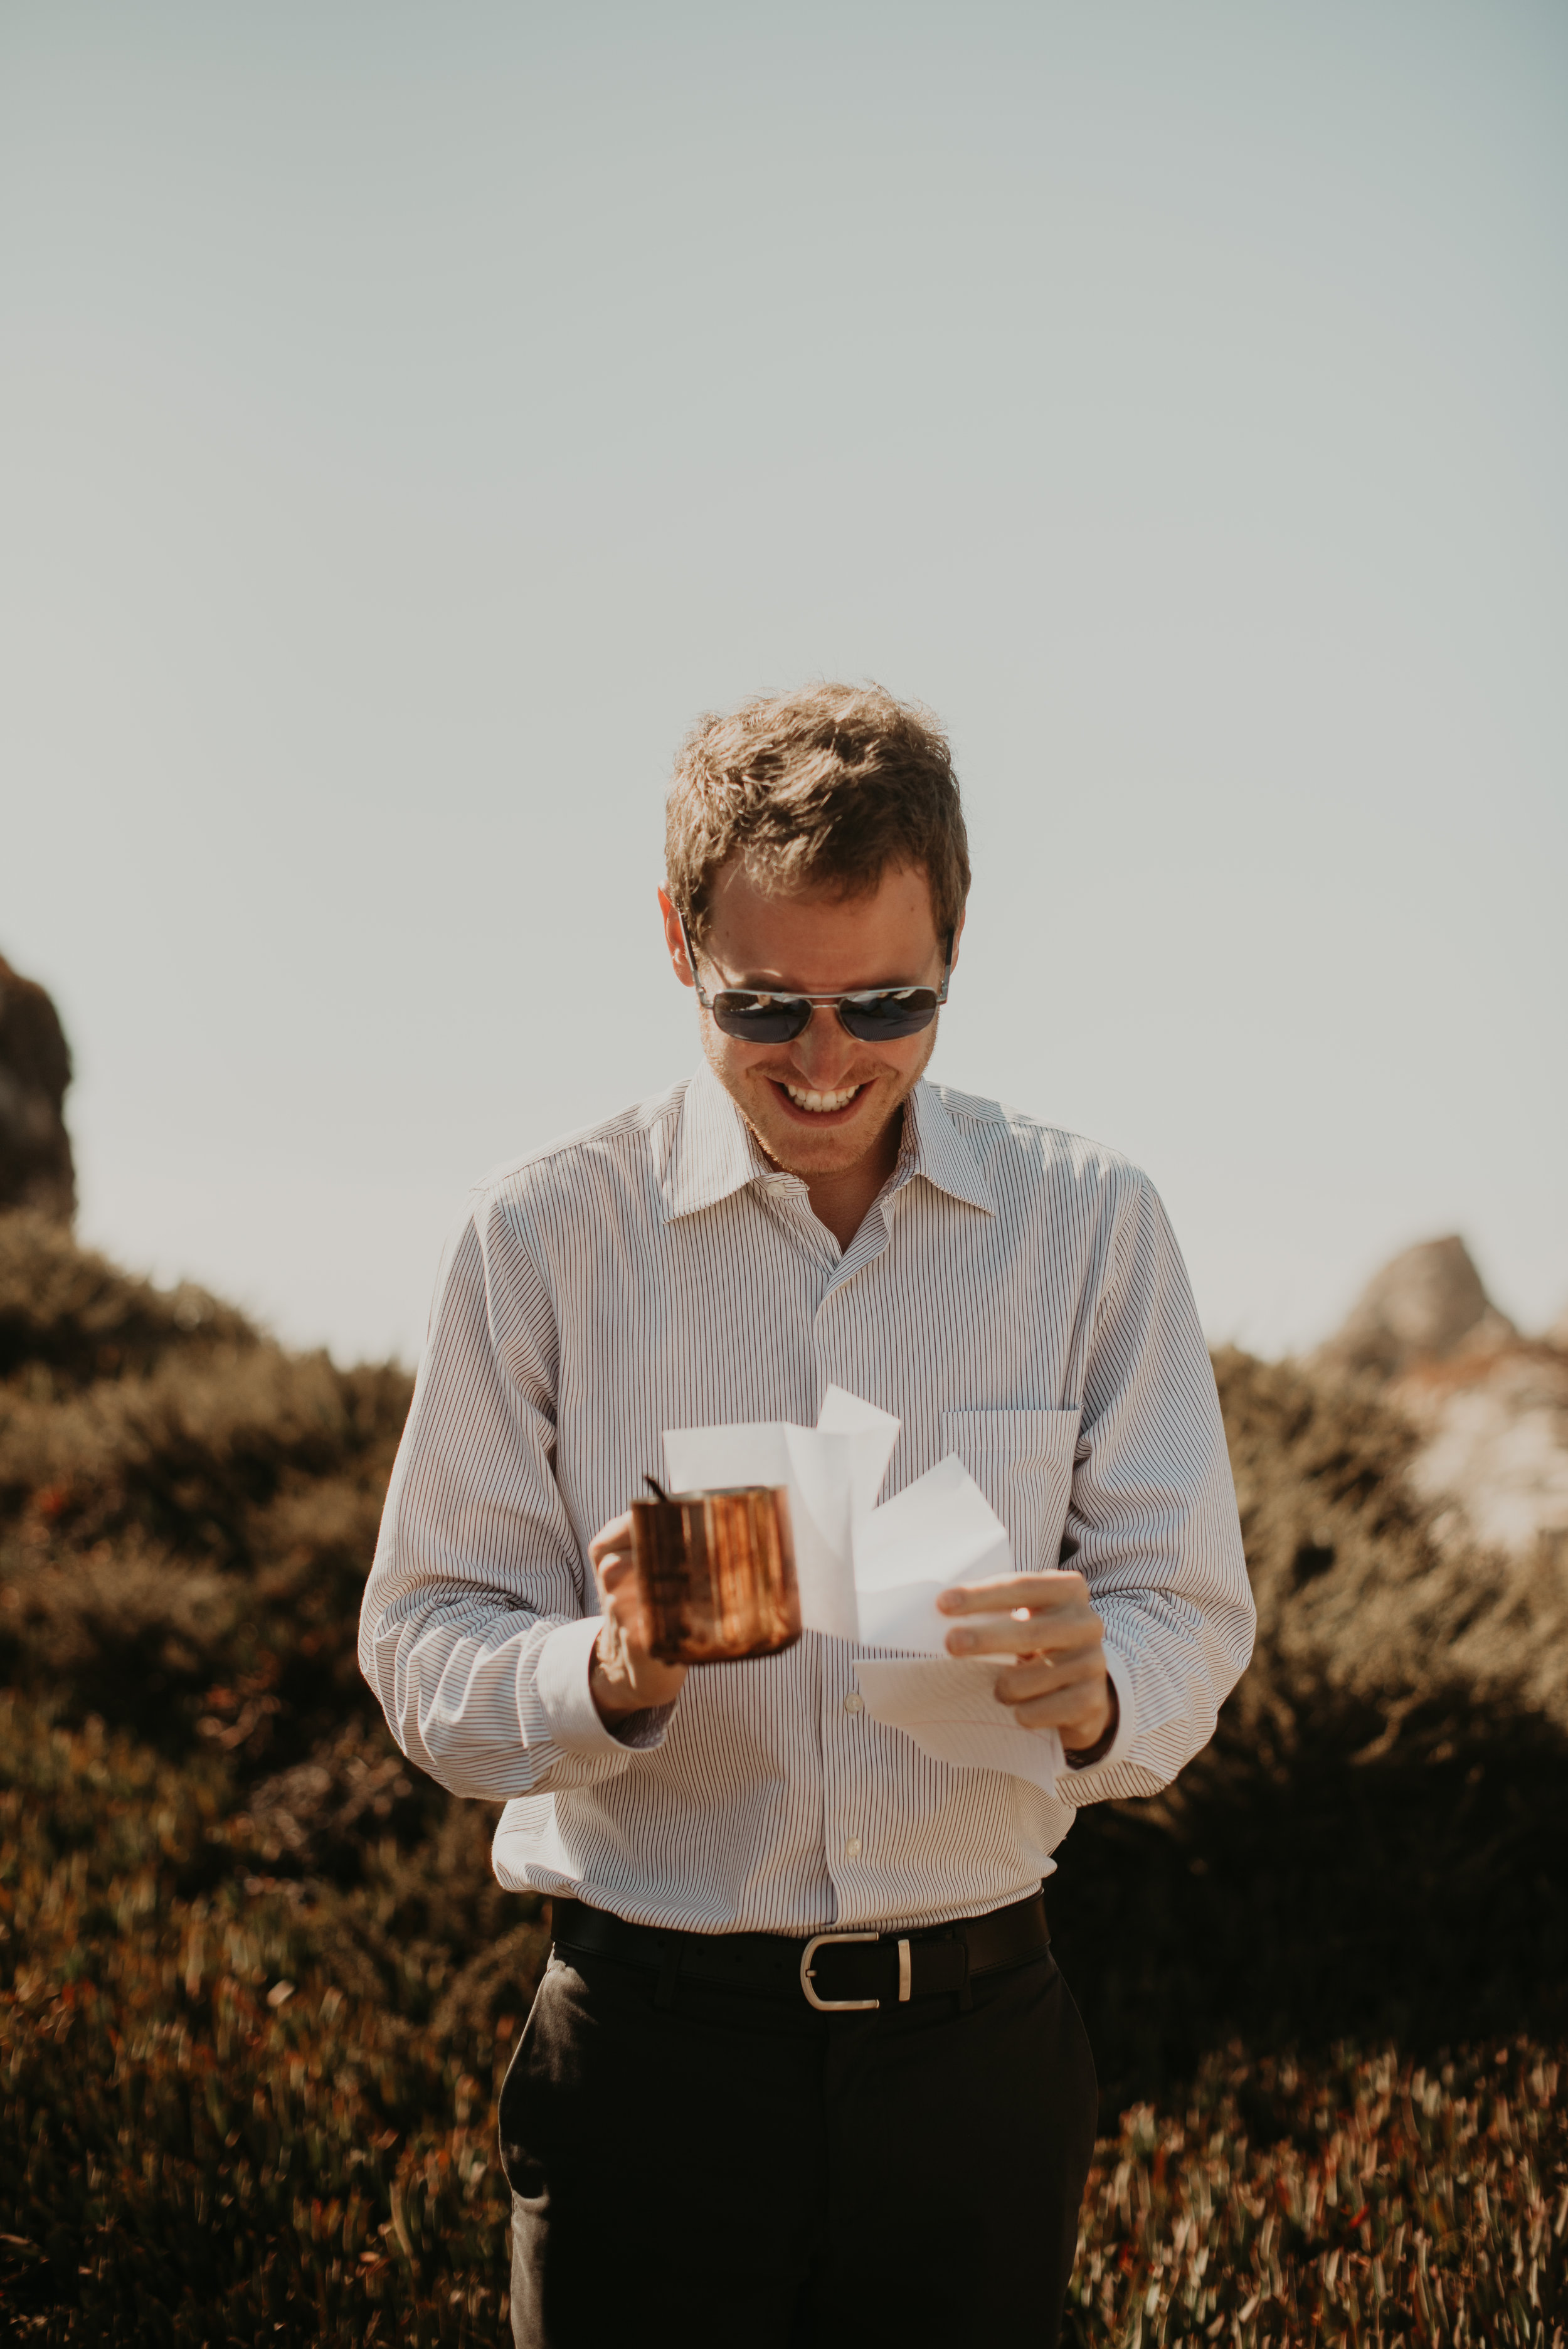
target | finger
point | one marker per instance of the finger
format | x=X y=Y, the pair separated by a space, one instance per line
x=1026 y=1635
x=1063 y=1707
x=1047 y=1676
x=1080 y=1722
x=1042 y=1592
x=616 y=1535
x=613 y=1567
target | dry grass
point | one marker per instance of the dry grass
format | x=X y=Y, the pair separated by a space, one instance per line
x=257 y=1984
x=1352 y=2200
x=258 y=2110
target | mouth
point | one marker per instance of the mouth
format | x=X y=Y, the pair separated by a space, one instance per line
x=810 y=1108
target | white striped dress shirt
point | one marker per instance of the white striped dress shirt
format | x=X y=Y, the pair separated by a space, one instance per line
x=1014 y=1295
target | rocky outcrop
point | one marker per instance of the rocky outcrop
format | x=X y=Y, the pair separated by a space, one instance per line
x=1490 y=1407
x=1424 y=1306
x=36 y=1169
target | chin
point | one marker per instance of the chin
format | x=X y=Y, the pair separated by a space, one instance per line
x=797 y=1154
x=834 y=1151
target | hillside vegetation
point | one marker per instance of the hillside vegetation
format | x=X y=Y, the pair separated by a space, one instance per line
x=258 y=1986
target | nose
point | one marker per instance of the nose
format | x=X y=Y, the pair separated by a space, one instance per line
x=824 y=1049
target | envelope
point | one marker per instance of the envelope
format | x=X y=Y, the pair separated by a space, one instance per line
x=871 y=1575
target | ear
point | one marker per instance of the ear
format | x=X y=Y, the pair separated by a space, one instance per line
x=957 y=937
x=674 y=942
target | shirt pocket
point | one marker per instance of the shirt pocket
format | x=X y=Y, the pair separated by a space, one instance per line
x=1022 y=1462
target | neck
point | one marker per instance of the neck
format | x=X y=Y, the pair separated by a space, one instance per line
x=841 y=1200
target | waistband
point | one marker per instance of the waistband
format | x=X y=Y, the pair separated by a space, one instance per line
x=836 y=1973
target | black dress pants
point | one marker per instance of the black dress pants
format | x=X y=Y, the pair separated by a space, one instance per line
x=739 y=2169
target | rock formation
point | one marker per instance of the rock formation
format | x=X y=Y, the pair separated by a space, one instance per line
x=36 y=1169
x=1424 y=1305
x=1491 y=1407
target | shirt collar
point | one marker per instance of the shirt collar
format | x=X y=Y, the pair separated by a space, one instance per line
x=713 y=1151
x=933 y=1146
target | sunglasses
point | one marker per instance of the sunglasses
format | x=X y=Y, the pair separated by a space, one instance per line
x=875 y=1014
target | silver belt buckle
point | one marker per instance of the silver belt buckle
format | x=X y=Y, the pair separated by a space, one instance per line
x=831 y=2006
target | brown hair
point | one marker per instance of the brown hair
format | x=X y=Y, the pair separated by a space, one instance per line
x=829 y=786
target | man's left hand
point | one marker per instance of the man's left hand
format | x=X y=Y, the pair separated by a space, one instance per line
x=1044 y=1622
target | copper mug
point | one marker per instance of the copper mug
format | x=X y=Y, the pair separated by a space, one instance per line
x=715 y=1574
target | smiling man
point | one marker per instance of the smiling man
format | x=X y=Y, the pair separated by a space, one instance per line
x=703 y=2146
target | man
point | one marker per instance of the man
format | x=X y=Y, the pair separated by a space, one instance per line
x=707 y=2144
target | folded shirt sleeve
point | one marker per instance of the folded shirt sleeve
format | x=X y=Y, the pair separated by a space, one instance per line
x=475 y=1630
x=1154 y=1513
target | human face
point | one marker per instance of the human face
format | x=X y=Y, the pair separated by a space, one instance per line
x=825 y=1101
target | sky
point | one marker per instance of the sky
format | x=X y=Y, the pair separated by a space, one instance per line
x=412 y=419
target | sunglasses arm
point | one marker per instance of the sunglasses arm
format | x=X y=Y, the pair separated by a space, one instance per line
x=706 y=1000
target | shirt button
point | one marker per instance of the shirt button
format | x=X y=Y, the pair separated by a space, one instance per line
x=852 y=1849
x=854 y=1701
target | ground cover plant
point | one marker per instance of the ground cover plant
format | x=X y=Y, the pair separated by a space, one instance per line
x=258 y=1987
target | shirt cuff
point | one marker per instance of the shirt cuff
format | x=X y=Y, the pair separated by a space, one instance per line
x=1121 y=1679
x=560 y=1683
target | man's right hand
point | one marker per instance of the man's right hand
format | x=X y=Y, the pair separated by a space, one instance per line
x=624 y=1679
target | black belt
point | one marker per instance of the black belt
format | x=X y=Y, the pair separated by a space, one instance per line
x=835 y=1972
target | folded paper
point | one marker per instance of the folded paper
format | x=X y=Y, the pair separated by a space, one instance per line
x=941 y=1530
x=871 y=1576
x=949 y=1708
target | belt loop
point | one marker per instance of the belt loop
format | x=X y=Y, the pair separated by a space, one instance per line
x=966 y=1996
x=669 y=1968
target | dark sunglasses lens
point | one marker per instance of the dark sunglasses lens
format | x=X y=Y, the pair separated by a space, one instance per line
x=903 y=1011
x=760 y=1018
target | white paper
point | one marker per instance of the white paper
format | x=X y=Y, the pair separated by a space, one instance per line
x=872 y=1575
x=940 y=1531
x=875 y=1433
x=948 y=1707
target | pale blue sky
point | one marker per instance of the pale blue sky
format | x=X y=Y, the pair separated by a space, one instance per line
x=412 y=418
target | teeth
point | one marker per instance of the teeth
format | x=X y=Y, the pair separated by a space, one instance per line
x=820 y=1101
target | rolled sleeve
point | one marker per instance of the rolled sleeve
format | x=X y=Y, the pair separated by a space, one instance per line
x=564 y=1696
x=562 y=1693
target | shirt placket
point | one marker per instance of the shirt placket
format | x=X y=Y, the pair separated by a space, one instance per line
x=844 y=1729
x=850 y=1808
x=791 y=1204
x=855 y=1864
